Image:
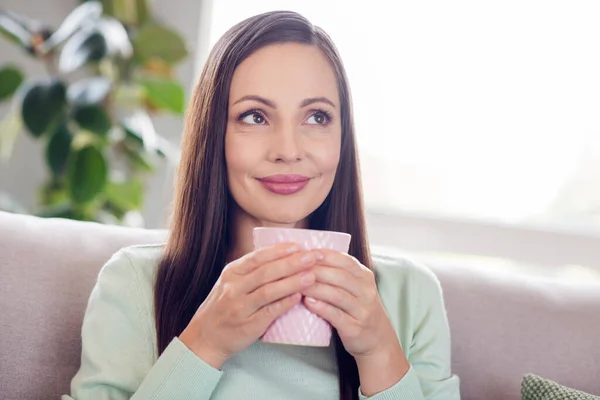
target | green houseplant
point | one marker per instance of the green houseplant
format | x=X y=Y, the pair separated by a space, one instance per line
x=109 y=69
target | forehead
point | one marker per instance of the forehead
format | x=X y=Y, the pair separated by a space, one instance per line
x=285 y=71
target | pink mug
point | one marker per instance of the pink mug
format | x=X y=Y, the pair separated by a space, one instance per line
x=299 y=326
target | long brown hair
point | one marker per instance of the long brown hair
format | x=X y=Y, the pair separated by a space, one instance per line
x=199 y=239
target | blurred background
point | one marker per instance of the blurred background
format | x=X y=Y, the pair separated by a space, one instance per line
x=478 y=122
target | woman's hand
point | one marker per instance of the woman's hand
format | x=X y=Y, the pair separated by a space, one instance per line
x=345 y=294
x=249 y=295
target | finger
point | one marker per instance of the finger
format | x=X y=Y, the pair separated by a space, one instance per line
x=257 y=258
x=335 y=316
x=276 y=270
x=339 y=277
x=335 y=296
x=345 y=261
x=270 y=312
x=277 y=290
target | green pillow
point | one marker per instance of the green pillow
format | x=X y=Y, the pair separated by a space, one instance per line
x=534 y=387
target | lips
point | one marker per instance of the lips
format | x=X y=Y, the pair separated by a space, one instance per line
x=284 y=184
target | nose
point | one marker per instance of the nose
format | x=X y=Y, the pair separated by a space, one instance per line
x=286 y=145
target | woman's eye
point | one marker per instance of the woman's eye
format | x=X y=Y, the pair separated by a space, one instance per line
x=253 y=118
x=318 y=118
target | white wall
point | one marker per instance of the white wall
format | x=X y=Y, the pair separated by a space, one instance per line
x=25 y=171
x=526 y=244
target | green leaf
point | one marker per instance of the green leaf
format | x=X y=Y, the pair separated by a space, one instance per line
x=14 y=27
x=28 y=33
x=141 y=137
x=116 y=36
x=127 y=95
x=10 y=127
x=83 y=47
x=165 y=94
x=53 y=191
x=42 y=104
x=10 y=80
x=103 y=38
x=93 y=119
x=156 y=41
x=130 y=12
x=89 y=91
x=58 y=150
x=81 y=15
x=59 y=210
x=87 y=175
x=139 y=160
x=126 y=195
x=140 y=132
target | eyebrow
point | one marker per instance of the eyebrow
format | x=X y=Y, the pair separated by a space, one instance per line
x=312 y=100
x=266 y=102
x=269 y=103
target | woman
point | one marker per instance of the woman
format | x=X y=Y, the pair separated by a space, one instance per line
x=269 y=141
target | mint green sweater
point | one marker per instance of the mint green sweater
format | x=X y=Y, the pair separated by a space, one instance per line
x=119 y=358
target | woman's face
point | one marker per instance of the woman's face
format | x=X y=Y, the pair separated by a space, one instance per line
x=283 y=139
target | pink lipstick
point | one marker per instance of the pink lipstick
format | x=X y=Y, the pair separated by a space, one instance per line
x=284 y=184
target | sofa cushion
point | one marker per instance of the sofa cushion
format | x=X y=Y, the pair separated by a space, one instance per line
x=504 y=325
x=535 y=387
x=48 y=268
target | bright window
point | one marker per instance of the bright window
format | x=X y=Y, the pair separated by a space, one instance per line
x=467 y=108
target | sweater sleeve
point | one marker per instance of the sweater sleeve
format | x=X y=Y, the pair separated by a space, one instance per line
x=118 y=359
x=429 y=352
x=430 y=376
x=407 y=388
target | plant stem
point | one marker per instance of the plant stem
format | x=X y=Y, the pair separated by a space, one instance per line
x=50 y=66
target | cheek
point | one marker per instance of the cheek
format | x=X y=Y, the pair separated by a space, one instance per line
x=239 y=162
x=327 y=157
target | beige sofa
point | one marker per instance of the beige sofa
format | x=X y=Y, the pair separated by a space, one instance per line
x=503 y=325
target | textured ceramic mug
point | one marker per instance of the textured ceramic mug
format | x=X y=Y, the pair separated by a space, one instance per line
x=299 y=326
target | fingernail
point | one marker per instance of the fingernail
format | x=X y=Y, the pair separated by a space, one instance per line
x=318 y=255
x=311 y=300
x=293 y=248
x=307 y=258
x=307 y=279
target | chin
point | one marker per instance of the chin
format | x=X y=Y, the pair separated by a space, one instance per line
x=284 y=220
